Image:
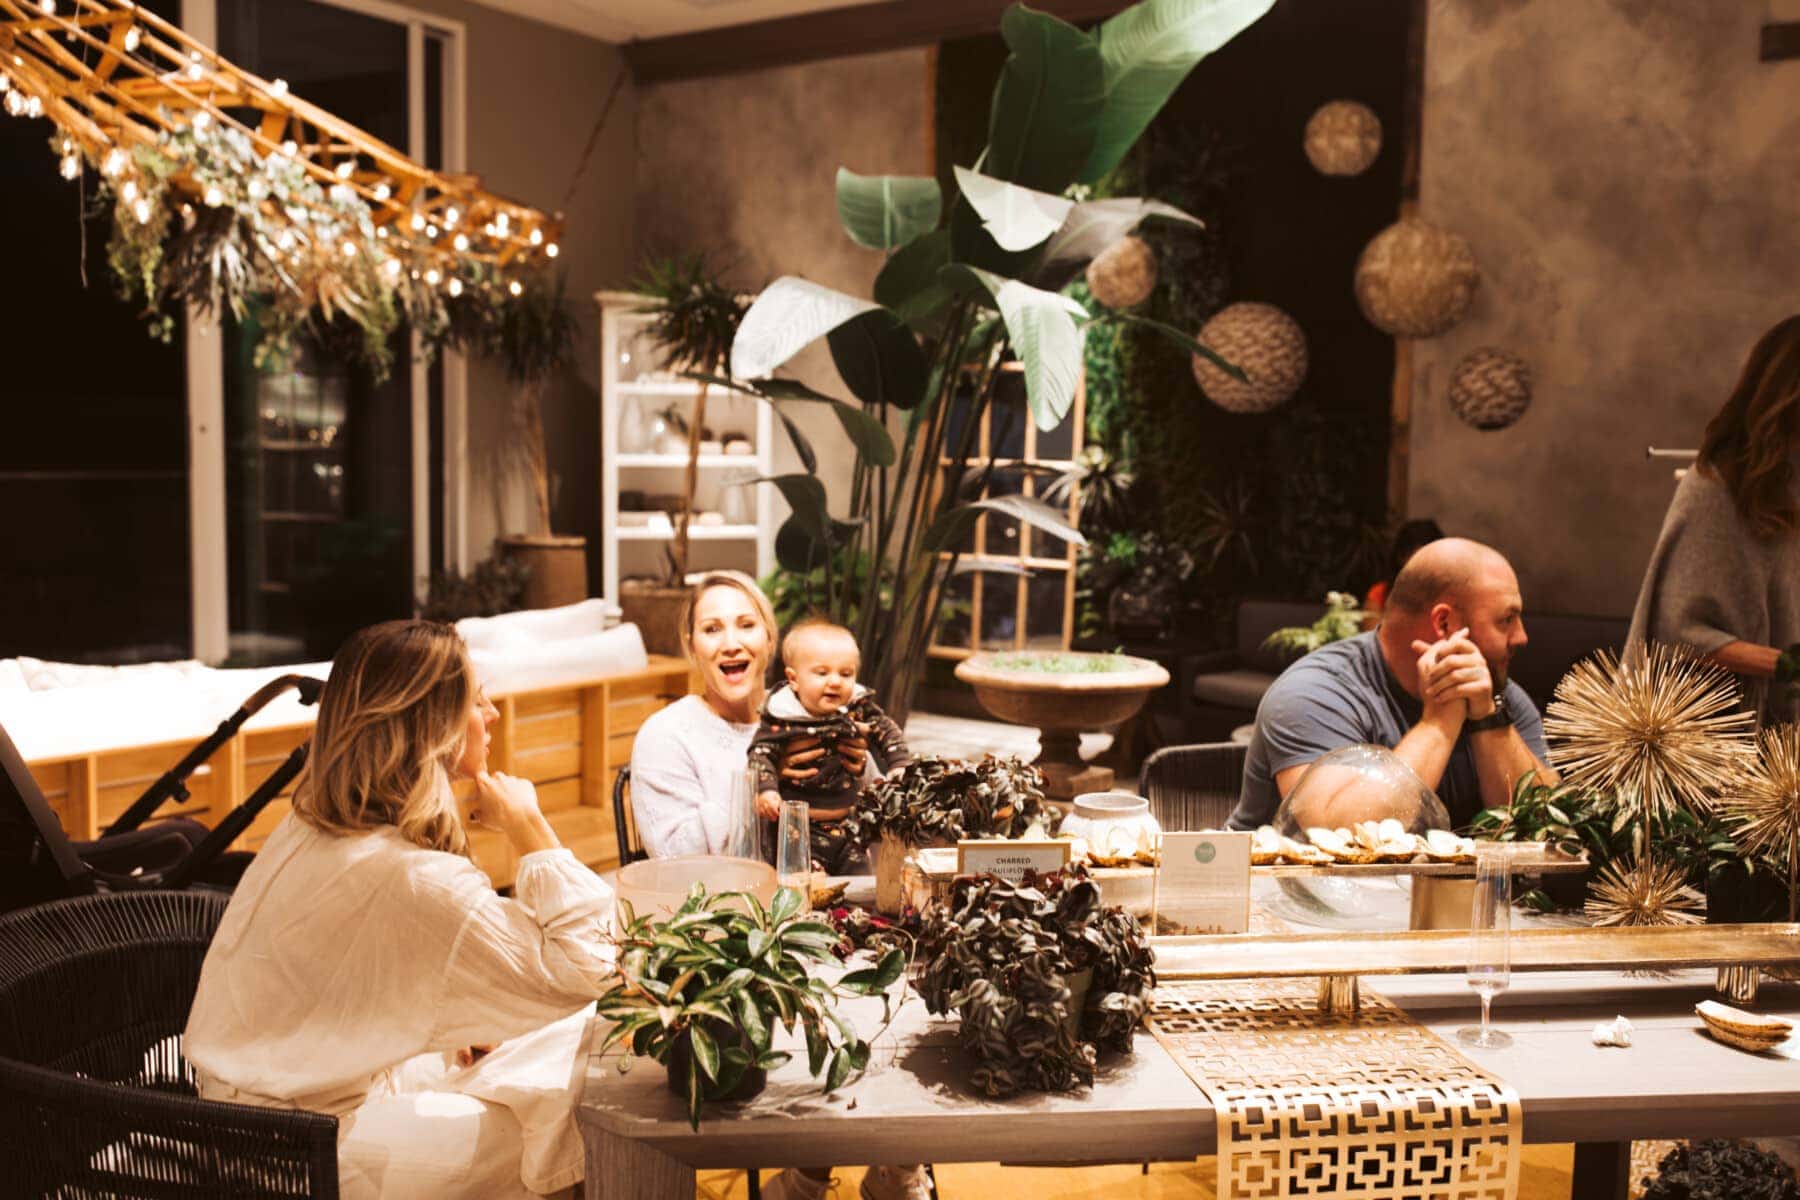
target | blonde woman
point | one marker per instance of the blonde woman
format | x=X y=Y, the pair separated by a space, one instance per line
x=687 y=757
x=365 y=965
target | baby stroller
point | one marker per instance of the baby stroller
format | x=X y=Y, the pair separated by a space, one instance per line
x=39 y=862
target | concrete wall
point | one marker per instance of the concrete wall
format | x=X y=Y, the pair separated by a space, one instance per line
x=534 y=92
x=743 y=167
x=1628 y=173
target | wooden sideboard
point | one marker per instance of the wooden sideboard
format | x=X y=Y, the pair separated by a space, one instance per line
x=571 y=741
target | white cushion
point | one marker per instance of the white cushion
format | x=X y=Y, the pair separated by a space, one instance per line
x=520 y=668
x=42 y=675
x=534 y=625
x=12 y=676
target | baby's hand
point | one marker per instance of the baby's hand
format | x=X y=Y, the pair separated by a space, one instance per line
x=768 y=805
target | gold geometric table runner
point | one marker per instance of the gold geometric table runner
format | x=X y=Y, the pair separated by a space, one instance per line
x=1370 y=1105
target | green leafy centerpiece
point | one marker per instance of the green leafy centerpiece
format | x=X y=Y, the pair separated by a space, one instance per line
x=1042 y=974
x=702 y=991
x=938 y=802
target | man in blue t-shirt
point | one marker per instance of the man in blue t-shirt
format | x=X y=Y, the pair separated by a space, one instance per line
x=1430 y=684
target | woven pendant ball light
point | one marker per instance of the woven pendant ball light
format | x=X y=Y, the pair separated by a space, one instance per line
x=1124 y=274
x=1264 y=343
x=1490 y=389
x=1343 y=138
x=1415 y=279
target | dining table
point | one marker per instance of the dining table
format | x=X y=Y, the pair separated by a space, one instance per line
x=914 y=1102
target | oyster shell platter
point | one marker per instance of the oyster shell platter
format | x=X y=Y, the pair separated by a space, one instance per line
x=1387 y=848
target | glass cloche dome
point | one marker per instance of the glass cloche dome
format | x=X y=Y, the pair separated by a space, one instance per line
x=1339 y=790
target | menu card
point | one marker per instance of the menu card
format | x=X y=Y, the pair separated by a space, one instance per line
x=1203 y=884
x=1011 y=859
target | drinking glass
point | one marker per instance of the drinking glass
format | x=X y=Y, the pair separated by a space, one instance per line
x=1490 y=942
x=793 y=849
x=744 y=836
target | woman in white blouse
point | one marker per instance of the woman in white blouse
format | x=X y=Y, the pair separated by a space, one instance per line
x=366 y=968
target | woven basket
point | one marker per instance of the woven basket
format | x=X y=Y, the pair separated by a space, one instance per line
x=1490 y=388
x=1264 y=343
x=1124 y=274
x=1343 y=138
x=1416 y=280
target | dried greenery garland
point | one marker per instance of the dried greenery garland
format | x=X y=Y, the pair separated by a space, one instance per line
x=935 y=801
x=270 y=241
x=1002 y=957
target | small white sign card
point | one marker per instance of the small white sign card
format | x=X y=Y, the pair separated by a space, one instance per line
x=1203 y=884
x=1010 y=860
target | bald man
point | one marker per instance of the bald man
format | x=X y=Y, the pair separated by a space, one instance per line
x=1430 y=683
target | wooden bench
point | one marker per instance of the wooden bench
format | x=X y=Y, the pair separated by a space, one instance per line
x=571 y=741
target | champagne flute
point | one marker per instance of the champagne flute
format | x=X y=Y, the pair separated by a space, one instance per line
x=1490 y=949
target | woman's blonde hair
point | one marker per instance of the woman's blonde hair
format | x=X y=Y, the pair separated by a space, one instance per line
x=393 y=722
x=731 y=579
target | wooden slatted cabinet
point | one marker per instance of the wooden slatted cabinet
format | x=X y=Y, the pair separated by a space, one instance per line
x=571 y=741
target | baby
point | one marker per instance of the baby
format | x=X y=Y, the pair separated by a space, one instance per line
x=821 y=700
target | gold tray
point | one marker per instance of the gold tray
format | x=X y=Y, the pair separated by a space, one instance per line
x=1431 y=951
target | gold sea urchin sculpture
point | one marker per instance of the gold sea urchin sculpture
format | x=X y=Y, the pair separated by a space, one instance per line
x=1642 y=893
x=1763 y=800
x=1659 y=728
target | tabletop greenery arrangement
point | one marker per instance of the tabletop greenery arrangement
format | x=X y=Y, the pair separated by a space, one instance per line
x=1042 y=974
x=939 y=801
x=972 y=283
x=701 y=992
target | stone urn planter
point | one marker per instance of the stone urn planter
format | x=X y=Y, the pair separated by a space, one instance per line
x=1063 y=693
x=656 y=611
x=556 y=568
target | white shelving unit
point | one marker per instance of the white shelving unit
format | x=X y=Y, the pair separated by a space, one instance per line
x=632 y=372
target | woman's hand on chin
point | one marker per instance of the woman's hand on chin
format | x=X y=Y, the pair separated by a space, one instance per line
x=510 y=805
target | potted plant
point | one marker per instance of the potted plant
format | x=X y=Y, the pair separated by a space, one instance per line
x=1042 y=974
x=534 y=337
x=702 y=990
x=1717 y=1169
x=1343 y=618
x=492 y=586
x=693 y=319
x=1571 y=819
x=938 y=802
x=971 y=289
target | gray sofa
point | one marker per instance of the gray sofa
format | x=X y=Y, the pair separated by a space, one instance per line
x=1229 y=685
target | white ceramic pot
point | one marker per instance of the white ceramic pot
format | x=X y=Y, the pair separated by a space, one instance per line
x=1113 y=824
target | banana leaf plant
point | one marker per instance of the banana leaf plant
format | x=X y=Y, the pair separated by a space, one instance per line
x=971 y=280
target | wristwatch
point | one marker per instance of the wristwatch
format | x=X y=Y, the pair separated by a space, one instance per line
x=1498 y=719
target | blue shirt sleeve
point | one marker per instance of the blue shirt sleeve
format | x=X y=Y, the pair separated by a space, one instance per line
x=1307 y=714
x=1527 y=720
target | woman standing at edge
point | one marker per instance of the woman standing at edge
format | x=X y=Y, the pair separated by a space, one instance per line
x=686 y=760
x=1724 y=578
x=365 y=966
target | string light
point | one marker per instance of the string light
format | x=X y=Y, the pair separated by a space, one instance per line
x=213 y=197
x=451 y=216
x=461 y=243
x=418 y=223
x=70 y=166
x=456 y=287
x=383 y=191
x=391 y=268
x=500 y=225
x=286 y=240
x=346 y=168
x=515 y=288
x=279 y=87
x=195 y=70
x=48 y=7
x=290 y=147
x=34 y=107
x=432 y=276
x=552 y=250
x=5 y=81
x=141 y=210
x=15 y=104
x=113 y=165
x=349 y=248
x=537 y=237
x=129 y=191
x=133 y=38
x=201 y=120
x=431 y=231
x=381 y=231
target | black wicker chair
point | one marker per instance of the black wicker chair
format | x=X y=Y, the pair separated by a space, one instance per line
x=623 y=826
x=96 y=1099
x=1193 y=787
